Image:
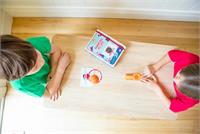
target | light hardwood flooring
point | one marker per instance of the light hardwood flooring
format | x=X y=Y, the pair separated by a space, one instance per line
x=185 y=35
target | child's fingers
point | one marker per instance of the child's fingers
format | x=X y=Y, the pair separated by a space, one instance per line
x=146 y=81
x=52 y=96
x=56 y=96
x=59 y=92
x=154 y=78
x=142 y=80
x=63 y=53
x=146 y=76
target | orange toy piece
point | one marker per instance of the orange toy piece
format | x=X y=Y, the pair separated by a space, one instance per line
x=133 y=76
x=94 y=79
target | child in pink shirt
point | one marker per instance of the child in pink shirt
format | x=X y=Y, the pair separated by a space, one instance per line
x=186 y=80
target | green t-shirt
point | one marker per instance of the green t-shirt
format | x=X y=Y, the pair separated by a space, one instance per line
x=35 y=84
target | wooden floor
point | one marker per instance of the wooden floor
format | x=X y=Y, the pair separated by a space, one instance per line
x=185 y=35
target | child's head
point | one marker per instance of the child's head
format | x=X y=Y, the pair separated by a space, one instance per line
x=17 y=57
x=188 y=81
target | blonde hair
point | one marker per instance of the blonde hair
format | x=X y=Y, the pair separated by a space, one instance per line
x=190 y=85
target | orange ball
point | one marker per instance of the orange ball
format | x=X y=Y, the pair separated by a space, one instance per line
x=94 y=79
x=137 y=76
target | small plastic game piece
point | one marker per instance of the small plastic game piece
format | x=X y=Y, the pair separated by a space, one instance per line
x=94 y=79
x=133 y=76
x=86 y=76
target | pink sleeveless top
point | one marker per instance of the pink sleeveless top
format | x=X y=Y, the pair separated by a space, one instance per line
x=182 y=59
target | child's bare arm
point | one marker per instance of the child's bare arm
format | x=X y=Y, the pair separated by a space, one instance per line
x=161 y=62
x=59 y=62
x=163 y=94
x=54 y=59
x=153 y=68
x=53 y=86
x=159 y=90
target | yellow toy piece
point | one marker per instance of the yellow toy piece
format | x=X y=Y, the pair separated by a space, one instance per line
x=133 y=76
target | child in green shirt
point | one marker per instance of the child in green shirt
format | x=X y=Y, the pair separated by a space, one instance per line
x=35 y=66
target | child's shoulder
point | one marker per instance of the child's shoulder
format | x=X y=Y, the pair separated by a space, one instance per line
x=41 y=43
x=181 y=55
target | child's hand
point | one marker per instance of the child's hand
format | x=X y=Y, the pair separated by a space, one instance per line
x=151 y=81
x=148 y=71
x=54 y=89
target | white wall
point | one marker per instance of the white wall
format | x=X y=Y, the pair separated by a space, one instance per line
x=5 y=22
x=5 y=28
x=188 y=10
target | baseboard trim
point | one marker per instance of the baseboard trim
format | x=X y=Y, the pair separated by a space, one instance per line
x=105 y=12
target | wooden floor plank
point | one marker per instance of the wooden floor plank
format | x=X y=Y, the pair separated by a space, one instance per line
x=185 y=35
